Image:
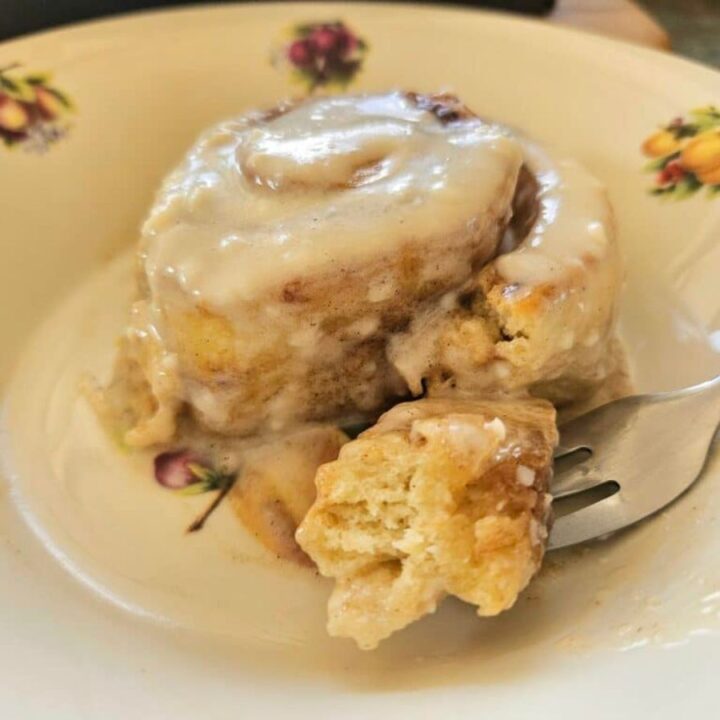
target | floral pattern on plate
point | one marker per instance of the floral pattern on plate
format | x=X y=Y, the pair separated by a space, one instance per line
x=323 y=54
x=33 y=112
x=187 y=474
x=685 y=155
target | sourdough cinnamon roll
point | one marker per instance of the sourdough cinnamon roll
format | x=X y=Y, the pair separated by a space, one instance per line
x=324 y=259
x=288 y=248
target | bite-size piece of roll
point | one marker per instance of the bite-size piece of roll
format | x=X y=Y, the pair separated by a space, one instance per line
x=440 y=497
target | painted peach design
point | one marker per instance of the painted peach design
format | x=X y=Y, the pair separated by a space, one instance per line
x=33 y=112
x=685 y=155
x=322 y=54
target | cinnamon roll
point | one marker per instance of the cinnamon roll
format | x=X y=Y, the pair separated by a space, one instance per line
x=289 y=246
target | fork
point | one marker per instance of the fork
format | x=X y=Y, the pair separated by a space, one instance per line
x=630 y=458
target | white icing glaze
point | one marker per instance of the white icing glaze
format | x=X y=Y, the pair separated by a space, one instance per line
x=471 y=441
x=497 y=426
x=574 y=225
x=525 y=475
x=331 y=183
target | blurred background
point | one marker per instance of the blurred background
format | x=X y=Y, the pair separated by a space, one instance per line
x=688 y=27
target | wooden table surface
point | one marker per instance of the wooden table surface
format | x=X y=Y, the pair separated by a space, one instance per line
x=621 y=19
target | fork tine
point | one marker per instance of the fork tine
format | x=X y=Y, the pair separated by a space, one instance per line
x=575 y=435
x=564 y=449
x=591 y=522
x=652 y=448
x=605 y=421
x=574 y=480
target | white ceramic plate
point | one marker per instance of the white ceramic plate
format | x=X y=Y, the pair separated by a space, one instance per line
x=162 y=625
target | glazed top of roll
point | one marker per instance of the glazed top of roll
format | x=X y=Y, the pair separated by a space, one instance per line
x=317 y=187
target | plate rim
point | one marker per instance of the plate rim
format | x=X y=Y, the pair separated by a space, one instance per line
x=584 y=42
x=506 y=20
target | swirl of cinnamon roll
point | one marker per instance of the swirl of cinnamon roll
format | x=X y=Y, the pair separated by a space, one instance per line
x=324 y=186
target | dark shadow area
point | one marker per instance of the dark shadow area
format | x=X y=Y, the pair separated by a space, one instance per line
x=19 y=17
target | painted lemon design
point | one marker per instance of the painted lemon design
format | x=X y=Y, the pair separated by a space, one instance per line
x=702 y=154
x=661 y=143
x=685 y=155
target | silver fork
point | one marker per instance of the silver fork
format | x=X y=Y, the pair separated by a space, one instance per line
x=636 y=454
